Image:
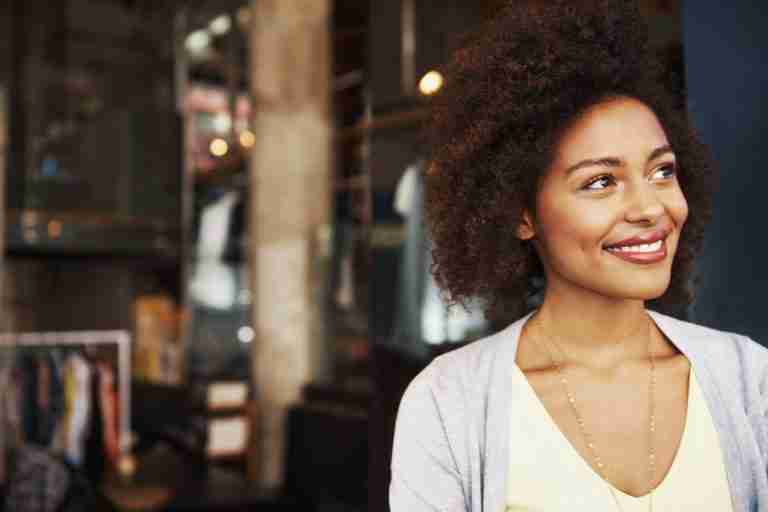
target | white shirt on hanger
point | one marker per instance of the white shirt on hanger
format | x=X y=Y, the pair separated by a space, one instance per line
x=213 y=282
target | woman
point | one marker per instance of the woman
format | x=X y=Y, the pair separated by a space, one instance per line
x=563 y=170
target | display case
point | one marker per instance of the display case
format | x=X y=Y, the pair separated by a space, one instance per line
x=94 y=163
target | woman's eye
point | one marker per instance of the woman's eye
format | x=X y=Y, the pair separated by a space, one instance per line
x=599 y=183
x=669 y=171
x=602 y=182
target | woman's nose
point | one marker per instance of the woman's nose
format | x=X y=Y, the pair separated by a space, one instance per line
x=643 y=203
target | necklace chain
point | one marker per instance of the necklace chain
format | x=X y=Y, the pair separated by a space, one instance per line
x=589 y=440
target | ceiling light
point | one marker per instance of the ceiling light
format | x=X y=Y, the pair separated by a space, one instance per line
x=246 y=334
x=430 y=83
x=247 y=139
x=219 y=147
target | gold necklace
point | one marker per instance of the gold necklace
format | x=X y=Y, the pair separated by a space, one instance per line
x=589 y=440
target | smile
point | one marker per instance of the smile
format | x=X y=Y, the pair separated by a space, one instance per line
x=641 y=253
x=655 y=246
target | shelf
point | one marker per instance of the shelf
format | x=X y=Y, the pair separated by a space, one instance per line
x=387 y=121
x=37 y=232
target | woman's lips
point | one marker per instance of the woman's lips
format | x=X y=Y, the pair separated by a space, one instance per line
x=642 y=257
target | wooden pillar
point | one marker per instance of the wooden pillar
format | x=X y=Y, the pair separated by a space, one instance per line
x=289 y=203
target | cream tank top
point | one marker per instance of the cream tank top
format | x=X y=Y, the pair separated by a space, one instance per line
x=547 y=474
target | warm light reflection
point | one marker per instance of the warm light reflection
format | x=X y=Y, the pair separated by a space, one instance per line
x=247 y=139
x=219 y=147
x=54 y=229
x=244 y=17
x=430 y=83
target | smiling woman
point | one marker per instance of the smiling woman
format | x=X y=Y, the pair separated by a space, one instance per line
x=562 y=167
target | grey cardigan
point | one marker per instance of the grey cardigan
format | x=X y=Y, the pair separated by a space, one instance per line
x=451 y=440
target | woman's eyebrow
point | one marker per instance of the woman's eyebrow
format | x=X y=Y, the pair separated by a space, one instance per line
x=612 y=161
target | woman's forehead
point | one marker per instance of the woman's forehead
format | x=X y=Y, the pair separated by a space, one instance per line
x=622 y=128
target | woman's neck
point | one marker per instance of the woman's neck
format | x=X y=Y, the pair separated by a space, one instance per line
x=598 y=334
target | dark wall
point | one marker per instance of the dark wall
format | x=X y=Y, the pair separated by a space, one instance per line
x=437 y=26
x=724 y=44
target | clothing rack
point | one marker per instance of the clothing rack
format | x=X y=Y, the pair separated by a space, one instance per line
x=86 y=338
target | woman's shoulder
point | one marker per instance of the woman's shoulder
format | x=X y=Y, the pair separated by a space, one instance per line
x=710 y=341
x=470 y=365
x=736 y=362
x=458 y=383
x=444 y=410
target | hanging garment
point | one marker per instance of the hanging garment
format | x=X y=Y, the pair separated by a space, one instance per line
x=345 y=294
x=109 y=413
x=78 y=382
x=39 y=482
x=36 y=483
x=74 y=409
x=7 y=402
x=56 y=406
x=27 y=367
x=407 y=333
x=440 y=324
x=11 y=400
x=422 y=315
x=93 y=462
x=47 y=400
x=214 y=283
x=61 y=433
x=344 y=237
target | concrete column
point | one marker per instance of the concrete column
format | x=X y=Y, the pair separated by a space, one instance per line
x=289 y=203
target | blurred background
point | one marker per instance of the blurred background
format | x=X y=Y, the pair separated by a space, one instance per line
x=214 y=266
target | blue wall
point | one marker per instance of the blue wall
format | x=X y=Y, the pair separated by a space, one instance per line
x=725 y=47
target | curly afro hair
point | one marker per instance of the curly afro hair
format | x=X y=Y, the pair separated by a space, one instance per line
x=512 y=89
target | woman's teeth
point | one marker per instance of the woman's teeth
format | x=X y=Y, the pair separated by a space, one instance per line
x=655 y=246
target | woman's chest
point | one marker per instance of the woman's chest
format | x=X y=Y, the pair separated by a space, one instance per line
x=608 y=424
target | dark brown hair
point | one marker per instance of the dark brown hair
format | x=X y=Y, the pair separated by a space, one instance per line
x=511 y=90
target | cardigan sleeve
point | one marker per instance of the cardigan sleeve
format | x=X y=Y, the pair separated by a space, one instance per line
x=424 y=474
x=757 y=411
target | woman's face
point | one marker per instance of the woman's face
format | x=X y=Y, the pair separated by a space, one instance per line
x=613 y=178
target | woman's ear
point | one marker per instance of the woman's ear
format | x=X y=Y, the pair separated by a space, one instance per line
x=526 y=230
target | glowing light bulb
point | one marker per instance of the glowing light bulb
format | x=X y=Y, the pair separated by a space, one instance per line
x=430 y=83
x=247 y=139
x=219 y=147
x=245 y=334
